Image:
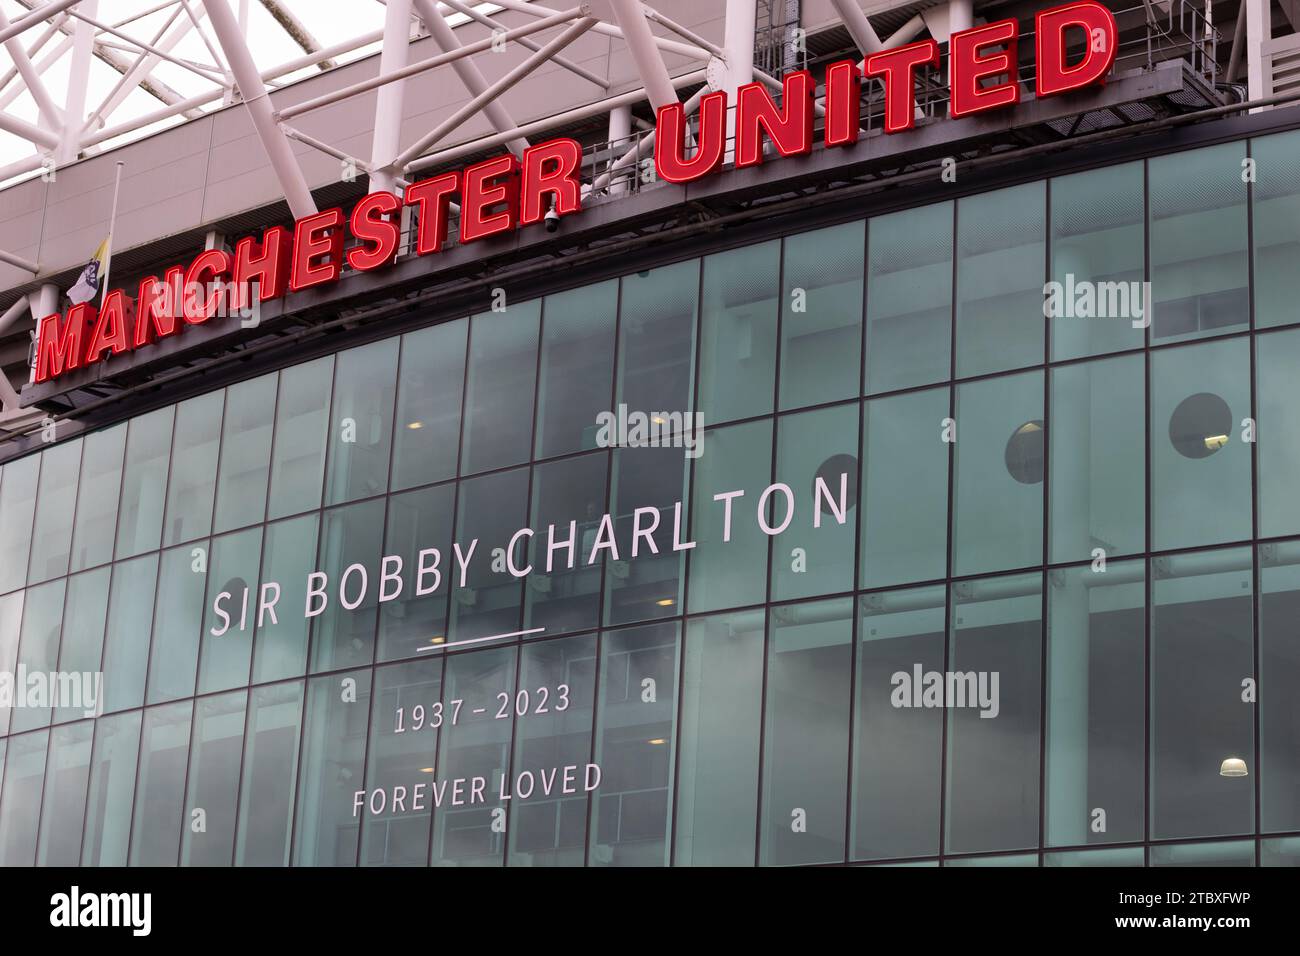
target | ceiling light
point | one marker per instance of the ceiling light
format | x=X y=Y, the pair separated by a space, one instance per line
x=1215 y=442
x=657 y=741
x=1233 y=767
x=414 y=425
x=426 y=770
x=666 y=602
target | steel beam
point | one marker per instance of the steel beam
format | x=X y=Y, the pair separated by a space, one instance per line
x=297 y=31
x=38 y=15
x=608 y=29
x=859 y=27
x=473 y=14
x=51 y=115
x=388 y=101
x=631 y=18
x=253 y=92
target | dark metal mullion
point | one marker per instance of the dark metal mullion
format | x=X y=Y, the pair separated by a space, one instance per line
x=1257 y=596
x=949 y=547
x=1043 y=582
x=1149 y=609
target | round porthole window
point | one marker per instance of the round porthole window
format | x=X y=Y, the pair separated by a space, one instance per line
x=1024 y=454
x=1200 y=425
x=829 y=472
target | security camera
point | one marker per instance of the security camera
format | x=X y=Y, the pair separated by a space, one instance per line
x=552 y=219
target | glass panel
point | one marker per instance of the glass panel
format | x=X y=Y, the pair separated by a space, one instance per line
x=821 y=316
x=1096 y=704
x=11 y=617
x=998 y=474
x=722 y=716
x=361 y=422
x=1198 y=242
x=1126 y=856
x=738 y=332
x=270 y=769
x=635 y=743
x=1280 y=852
x=82 y=647
x=302 y=426
x=245 y=453
x=563 y=591
x=426 y=439
x=24 y=773
x=1279 y=665
x=1202 y=733
x=18 y=483
x=1098 y=238
x=1236 y=853
x=160 y=787
x=193 y=479
x=280 y=649
x=817 y=458
x=729 y=563
x=66 y=774
x=993 y=738
x=417 y=521
x=401 y=760
x=38 y=653
x=1014 y=859
x=656 y=353
x=1276 y=227
x=577 y=367
x=1277 y=357
x=224 y=658
x=1200 y=470
x=209 y=832
x=806 y=734
x=905 y=489
x=897 y=745
x=909 y=298
x=1096 y=469
x=144 y=483
x=333 y=753
x=554 y=705
x=498 y=420
x=1000 y=262
x=126 y=635
x=475 y=751
x=97 y=501
x=650 y=586
x=177 y=623
x=52 y=532
x=111 y=790
x=352 y=539
x=486 y=598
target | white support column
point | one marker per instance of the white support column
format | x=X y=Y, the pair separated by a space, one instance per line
x=388 y=101
x=738 y=38
x=74 y=110
x=859 y=27
x=51 y=115
x=253 y=92
x=620 y=129
x=630 y=15
x=468 y=71
x=38 y=15
x=143 y=66
x=961 y=16
x=1258 y=28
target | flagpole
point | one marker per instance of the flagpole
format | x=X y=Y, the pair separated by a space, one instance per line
x=112 y=225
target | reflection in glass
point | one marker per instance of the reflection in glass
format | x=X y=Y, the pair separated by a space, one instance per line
x=302 y=426
x=193 y=481
x=160 y=786
x=656 y=350
x=224 y=659
x=82 y=645
x=738 y=332
x=280 y=648
x=576 y=369
x=126 y=635
x=1277 y=357
x=111 y=790
x=245 y=453
x=1275 y=227
x=52 y=531
x=270 y=769
x=491 y=509
x=649 y=586
x=418 y=521
x=498 y=423
x=24 y=772
x=177 y=623
x=361 y=431
x=18 y=482
x=351 y=545
x=213 y=781
x=1279 y=709
x=144 y=483
x=333 y=755
x=97 y=497
x=38 y=646
x=426 y=430
x=821 y=316
x=563 y=591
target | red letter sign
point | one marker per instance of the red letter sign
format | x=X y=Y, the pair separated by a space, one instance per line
x=316 y=237
x=843 y=103
x=373 y=224
x=967 y=67
x=431 y=197
x=59 y=348
x=110 y=327
x=790 y=128
x=200 y=302
x=481 y=193
x=159 y=307
x=670 y=138
x=896 y=68
x=266 y=264
x=564 y=157
x=1099 y=42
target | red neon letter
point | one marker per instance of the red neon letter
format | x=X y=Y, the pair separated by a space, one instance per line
x=1099 y=42
x=58 y=347
x=266 y=264
x=563 y=156
x=110 y=327
x=896 y=68
x=373 y=224
x=480 y=194
x=967 y=67
x=790 y=128
x=843 y=103
x=317 y=237
x=158 y=307
x=431 y=197
x=670 y=136
x=200 y=301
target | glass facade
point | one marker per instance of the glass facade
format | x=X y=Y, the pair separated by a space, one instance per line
x=941 y=576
